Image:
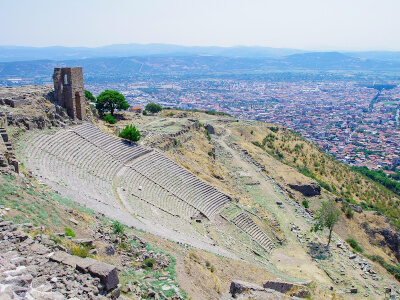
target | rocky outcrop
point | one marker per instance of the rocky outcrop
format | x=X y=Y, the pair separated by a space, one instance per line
x=296 y=290
x=107 y=273
x=238 y=287
x=210 y=128
x=31 y=270
x=242 y=290
x=356 y=208
x=308 y=189
x=391 y=238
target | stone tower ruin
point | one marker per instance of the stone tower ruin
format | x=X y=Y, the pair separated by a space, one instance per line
x=69 y=91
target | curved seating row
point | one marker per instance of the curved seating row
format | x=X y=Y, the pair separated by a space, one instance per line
x=247 y=224
x=120 y=149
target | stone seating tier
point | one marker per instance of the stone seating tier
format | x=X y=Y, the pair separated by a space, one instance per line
x=247 y=224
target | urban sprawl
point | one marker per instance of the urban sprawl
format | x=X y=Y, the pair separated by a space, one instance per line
x=358 y=125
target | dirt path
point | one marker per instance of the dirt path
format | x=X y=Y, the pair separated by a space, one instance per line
x=292 y=259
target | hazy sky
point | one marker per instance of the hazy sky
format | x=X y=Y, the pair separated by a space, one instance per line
x=303 y=24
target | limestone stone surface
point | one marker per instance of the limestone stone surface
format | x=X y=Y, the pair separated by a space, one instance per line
x=107 y=273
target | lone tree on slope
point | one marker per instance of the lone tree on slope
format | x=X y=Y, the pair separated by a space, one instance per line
x=130 y=133
x=110 y=101
x=153 y=107
x=327 y=216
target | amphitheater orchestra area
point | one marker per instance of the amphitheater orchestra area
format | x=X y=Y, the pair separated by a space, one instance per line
x=95 y=168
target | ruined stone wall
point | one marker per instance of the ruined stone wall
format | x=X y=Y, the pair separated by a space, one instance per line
x=69 y=91
x=7 y=156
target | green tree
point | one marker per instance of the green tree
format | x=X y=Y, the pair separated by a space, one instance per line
x=89 y=96
x=153 y=108
x=110 y=101
x=130 y=133
x=326 y=217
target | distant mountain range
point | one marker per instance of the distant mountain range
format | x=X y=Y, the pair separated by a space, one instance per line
x=17 y=53
x=195 y=64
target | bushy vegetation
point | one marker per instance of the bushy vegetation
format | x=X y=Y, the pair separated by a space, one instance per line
x=216 y=113
x=349 y=212
x=208 y=134
x=392 y=269
x=208 y=112
x=109 y=119
x=89 y=96
x=274 y=129
x=353 y=244
x=149 y=262
x=118 y=228
x=305 y=204
x=69 y=232
x=380 y=177
x=153 y=107
x=130 y=133
x=372 y=190
x=80 y=250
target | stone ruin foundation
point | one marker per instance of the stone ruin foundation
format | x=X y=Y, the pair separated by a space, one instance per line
x=69 y=91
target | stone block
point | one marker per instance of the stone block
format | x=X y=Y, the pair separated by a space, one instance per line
x=107 y=274
x=59 y=256
x=40 y=249
x=87 y=242
x=84 y=264
x=72 y=260
x=238 y=287
x=75 y=222
x=279 y=286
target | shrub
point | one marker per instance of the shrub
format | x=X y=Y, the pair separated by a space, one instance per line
x=274 y=128
x=392 y=269
x=80 y=251
x=149 y=262
x=353 y=244
x=118 y=228
x=130 y=133
x=175 y=142
x=69 y=232
x=364 y=205
x=305 y=204
x=349 y=212
x=208 y=135
x=109 y=119
x=325 y=185
x=144 y=113
x=280 y=154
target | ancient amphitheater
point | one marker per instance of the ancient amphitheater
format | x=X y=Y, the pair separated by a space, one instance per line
x=110 y=174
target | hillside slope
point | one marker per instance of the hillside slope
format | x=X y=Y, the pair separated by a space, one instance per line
x=267 y=172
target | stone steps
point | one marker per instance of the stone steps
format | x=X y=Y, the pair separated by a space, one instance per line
x=247 y=224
